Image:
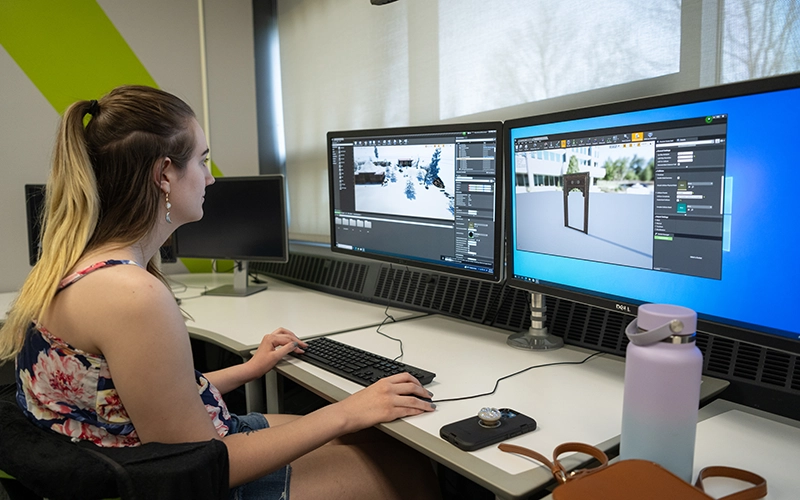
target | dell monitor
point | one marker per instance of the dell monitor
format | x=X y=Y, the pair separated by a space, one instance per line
x=685 y=199
x=427 y=197
x=244 y=219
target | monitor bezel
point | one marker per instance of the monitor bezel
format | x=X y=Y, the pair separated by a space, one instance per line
x=243 y=257
x=34 y=213
x=755 y=334
x=497 y=274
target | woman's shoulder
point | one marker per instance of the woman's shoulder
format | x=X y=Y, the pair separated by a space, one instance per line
x=126 y=287
x=108 y=303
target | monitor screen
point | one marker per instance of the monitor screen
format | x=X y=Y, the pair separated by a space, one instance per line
x=681 y=199
x=244 y=218
x=34 y=205
x=428 y=197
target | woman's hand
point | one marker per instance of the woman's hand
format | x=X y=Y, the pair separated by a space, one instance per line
x=274 y=346
x=388 y=399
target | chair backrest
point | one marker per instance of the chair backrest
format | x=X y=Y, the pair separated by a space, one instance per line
x=52 y=466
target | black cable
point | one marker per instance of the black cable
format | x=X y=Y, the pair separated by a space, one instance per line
x=389 y=316
x=497 y=383
x=498 y=303
x=254 y=276
x=378 y=330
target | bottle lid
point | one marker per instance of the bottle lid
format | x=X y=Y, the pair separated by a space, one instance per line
x=656 y=322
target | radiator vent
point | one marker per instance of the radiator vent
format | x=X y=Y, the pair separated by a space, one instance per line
x=318 y=272
x=473 y=300
x=596 y=328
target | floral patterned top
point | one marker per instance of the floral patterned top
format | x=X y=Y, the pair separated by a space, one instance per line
x=71 y=392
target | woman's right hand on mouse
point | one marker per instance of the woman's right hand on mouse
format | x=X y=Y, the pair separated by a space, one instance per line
x=387 y=399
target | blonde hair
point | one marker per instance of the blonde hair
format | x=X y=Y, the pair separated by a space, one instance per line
x=100 y=189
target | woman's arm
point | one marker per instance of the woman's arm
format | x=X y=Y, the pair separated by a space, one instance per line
x=257 y=453
x=273 y=348
x=133 y=320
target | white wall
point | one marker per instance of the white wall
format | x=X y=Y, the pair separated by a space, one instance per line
x=165 y=36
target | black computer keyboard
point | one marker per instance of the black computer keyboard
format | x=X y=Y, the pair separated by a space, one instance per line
x=360 y=366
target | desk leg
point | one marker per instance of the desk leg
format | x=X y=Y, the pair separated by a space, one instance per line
x=255 y=396
x=272 y=392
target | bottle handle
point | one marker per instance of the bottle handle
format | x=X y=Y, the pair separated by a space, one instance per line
x=647 y=337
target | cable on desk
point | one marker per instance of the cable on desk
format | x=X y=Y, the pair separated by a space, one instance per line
x=183 y=286
x=497 y=303
x=389 y=316
x=497 y=383
x=255 y=275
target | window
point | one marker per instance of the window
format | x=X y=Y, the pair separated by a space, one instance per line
x=347 y=65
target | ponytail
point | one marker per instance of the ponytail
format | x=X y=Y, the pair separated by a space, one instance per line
x=68 y=221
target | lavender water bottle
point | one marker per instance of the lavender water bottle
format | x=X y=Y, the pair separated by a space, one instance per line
x=663 y=370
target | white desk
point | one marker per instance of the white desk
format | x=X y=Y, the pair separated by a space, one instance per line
x=7 y=369
x=5 y=303
x=239 y=323
x=569 y=402
x=738 y=436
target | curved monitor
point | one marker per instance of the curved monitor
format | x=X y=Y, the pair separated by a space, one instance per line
x=244 y=219
x=685 y=199
x=428 y=197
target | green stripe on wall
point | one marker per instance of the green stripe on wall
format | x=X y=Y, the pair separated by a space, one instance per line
x=71 y=51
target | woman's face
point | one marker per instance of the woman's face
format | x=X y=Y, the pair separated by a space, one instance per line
x=187 y=191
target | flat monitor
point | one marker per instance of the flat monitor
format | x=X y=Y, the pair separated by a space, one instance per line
x=427 y=197
x=244 y=219
x=687 y=199
x=34 y=206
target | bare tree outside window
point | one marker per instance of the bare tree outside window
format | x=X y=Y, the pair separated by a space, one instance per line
x=760 y=38
x=520 y=51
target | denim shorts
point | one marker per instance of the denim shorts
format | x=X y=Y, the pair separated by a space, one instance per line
x=274 y=486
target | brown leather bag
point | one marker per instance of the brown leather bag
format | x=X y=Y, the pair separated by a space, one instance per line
x=633 y=479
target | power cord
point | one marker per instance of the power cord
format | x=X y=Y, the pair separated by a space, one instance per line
x=497 y=383
x=389 y=316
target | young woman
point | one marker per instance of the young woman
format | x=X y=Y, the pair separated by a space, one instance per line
x=101 y=347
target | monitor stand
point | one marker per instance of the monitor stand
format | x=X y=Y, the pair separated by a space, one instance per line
x=537 y=336
x=240 y=287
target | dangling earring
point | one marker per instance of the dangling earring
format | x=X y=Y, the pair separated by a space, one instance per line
x=169 y=205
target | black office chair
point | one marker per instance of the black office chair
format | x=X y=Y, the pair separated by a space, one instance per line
x=44 y=464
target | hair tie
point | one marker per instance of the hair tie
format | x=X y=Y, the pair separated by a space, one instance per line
x=94 y=108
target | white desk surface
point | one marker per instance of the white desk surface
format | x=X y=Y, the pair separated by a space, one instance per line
x=569 y=402
x=5 y=302
x=738 y=436
x=239 y=323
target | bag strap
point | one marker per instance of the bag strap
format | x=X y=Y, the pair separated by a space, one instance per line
x=559 y=472
x=758 y=490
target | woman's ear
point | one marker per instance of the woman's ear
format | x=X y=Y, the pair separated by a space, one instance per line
x=164 y=173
